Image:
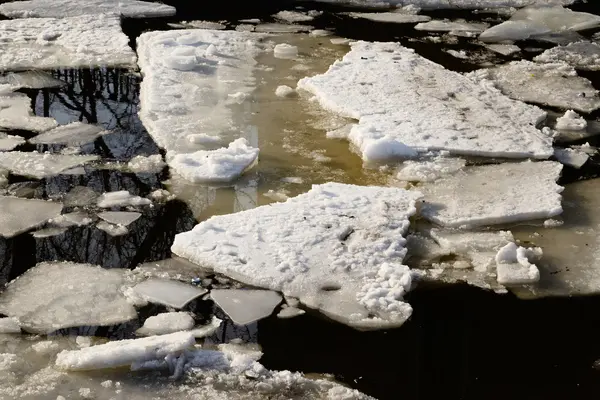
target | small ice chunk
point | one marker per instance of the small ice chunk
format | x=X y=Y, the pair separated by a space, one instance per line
x=284 y=91
x=429 y=171
x=208 y=329
x=123 y=218
x=513 y=265
x=246 y=306
x=284 y=50
x=73 y=134
x=340 y=41
x=149 y=164
x=571 y=157
x=280 y=28
x=112 y=230
x=276 y=195
x=124 y=352
x=552 y=223
x=31 y=80
x=293 y=16
x=9 y=325
x=45 y=347
x=391 y=17
x=165 y=323
x=571 y=121
x=201 y=138
x=48 y=232
x=320 y=33
x=66 y=295
x=290 y=312
x=168 y=292
x=504 y=49
x=580 y=55
x=451 y=26
x=16 y=113
x=458 y=54
x=292 y=179
x=40 y=165
x=9 y=142
x=121 y=198
x=71 y=8
x=511 y=192
x=19 y=215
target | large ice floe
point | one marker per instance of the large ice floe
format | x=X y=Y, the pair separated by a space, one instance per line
x=395 y=121
x=46 y=43
x=66 y=295
x=192 y=79
x=338 y=248
x=19 y=215
x=73 y=8
x=555 y=84
x=580 y=55
x=494 y=194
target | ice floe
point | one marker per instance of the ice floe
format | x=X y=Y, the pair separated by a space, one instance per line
x=112 y=229
x=293 y=16
x=494 y=194
x=9 y=142
x=73 y=134
x=284 y=91
x=19 y=215
x=31 y=80
x=121 y=198
x=189 y=76
x=476 y=4
x=571 y=121
x=391 y=17
x=149 y=164
x=166 y=323
x=47 y=43
x=284 y=50
x=580 y=55
x=454 y=27
x=290 y=312
x=72 y=8
x=246 y=306
x=571 y=157
x=504 y=49
x=80 y=196
x=428 y=171
x=513 y=265
x=16 y=113
x=168 y=292
x=48 y=232
x=395 y=119
x=123 y=218
x=40 y=165
x=554 y=84
x=338 y=248
x=66 y=295
x=9 y=325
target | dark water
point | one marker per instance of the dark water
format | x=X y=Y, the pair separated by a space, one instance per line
x=461 y=343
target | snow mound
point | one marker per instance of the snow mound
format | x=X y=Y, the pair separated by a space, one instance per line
x=513 y=266
x=75 y=42
x=495 y=194
x=246 y=306
x=166 y=323
x=66 y=295
x=338 y=248
x=393 y=92
x=580 y=55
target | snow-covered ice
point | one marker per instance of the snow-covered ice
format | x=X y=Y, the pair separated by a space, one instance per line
x=514 y=267
x=571 y=121
x=580 y=55
x=123 y=218
x=429 y=171
x=246 y=306
x=571 y=157
x=121 y=198
x=189 y=76
x=284 y=50
x=338 y=248
x=66 y=295
x=40 y=165
x=166 y=323
x=554 y=84
x=73 y=134
x=146 y=164
x=494 y=194
x=16 y=113
x=76 y=42
x=19 y=215
x=168 y=292
x=393 y=92
x=391 y=17
x=9 y=142
x=72 y=8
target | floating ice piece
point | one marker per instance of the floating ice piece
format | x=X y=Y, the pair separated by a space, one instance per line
x=284 y=50
x=284 y=91
x=280 y=28
x=9 y=325
x=391 y=17
x=123 y=218
x=121 y=198
x=9 y=142
x=293 y=16
x=393 y=92
x=451 y=26
x=165 y=323
x=48 y=232
x=40 y=165
x=66 y=295
x=73 y=134
x=19 y=215
x=168 y=292
x=554 y=85
x=511 y=192
x=571 y=157
x=31 y=80
x=290 y=312
x=124 y=352
x=73 y=8
x=476 y=4
x=112 y=230
x=580 y=55
x=513 y=266
x=571 y=121
x=293 y=179
x=48 y=43
x=221 y=165
x=181 y=96
x=80 y=196
x=337 y=248
x=429 y=171
x=201 y=138
x=458 y=54
x=504 y=49
x=16 y=113
x=530 y=22
x=320 y=33
x=149 y=164
x=246 y=306
x=208 y=329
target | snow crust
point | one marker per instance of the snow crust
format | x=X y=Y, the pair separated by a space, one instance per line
x=19 y=215
x=580 y=55
x=395 y=119
x=513 y=266
x=74 y=42
x=73 y=8
x=189 y=76
x=66 y=295
x=166 y=323
x=495 y=194
x=246 y=306
x=73 y=134
x=550 y=84
x=338 y=248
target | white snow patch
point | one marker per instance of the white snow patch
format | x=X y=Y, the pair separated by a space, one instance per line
x=168 y=292
x=121 y=198
x=166 y=323
x=580 y=55
x=513 y=265
x=72 y=8
x=246 y=306
x=146 y=164
x=19 y=215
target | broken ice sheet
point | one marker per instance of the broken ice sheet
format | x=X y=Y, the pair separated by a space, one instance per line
x=16 y=113
x=166 y=323
x=73 y=42
x=580 y=55
x=571 y=157
x=31 y=80
x=123 y=218
x=72 y=8
x=73 y=134
x=494 y=194
x=461 y=27
x=48 y=232
x=429 y=171
x=554 y=84
x=9 y=142
x=19 y=215
x=40 y=165
x=338 y=248
x=246 y=306
x=66 y=295
x=121 y=198
x=395 y=119
x=168 y=292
